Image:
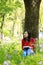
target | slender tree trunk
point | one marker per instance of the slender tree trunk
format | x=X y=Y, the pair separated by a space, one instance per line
x=32 y=16
x=1 y=28
x=12 y=34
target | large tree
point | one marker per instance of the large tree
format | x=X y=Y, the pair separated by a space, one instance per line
x=32 y=16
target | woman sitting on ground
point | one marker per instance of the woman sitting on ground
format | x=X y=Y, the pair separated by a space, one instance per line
x=28 y=44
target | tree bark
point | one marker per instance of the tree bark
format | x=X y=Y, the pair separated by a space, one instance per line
x=32 y=16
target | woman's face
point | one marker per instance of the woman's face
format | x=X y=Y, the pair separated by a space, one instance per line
x=25 y=34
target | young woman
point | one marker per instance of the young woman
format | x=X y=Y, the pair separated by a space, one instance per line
x=28 y=44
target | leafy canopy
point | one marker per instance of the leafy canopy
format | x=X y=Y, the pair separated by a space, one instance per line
x=8 y=5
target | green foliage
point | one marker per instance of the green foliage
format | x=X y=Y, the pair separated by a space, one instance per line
x=6 y=32
x=8 y=5
x=13 y=18
x=11 y=10
x=17 y=4
x=14 y=55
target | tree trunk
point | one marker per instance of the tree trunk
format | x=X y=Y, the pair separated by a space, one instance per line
x=1 y=28
x=32 y=16
x=12 y=34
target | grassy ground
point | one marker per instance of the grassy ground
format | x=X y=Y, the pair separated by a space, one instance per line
x=11 y=54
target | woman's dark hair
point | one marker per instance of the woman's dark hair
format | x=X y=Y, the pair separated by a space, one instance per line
x=29 y=36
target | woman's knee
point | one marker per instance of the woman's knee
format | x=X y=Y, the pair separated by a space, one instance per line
x=30 y=51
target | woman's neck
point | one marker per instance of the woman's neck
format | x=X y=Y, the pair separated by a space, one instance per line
x=27 y=39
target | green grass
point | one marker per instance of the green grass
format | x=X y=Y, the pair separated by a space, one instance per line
x=13 y=53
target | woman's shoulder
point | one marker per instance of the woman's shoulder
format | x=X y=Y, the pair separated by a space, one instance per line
x=32 y=39
x=23 y=40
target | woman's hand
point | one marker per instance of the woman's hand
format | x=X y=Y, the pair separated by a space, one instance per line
x=32 y=44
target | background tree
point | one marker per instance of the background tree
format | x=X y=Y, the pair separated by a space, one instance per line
x=7 y=6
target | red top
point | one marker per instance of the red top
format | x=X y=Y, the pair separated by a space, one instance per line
x=30 y=43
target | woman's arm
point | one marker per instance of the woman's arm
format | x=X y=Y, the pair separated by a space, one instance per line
x=33 y=43
x=22 y=43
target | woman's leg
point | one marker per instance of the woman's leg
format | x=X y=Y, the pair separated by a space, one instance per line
x=30 y=51
x=24 y=52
